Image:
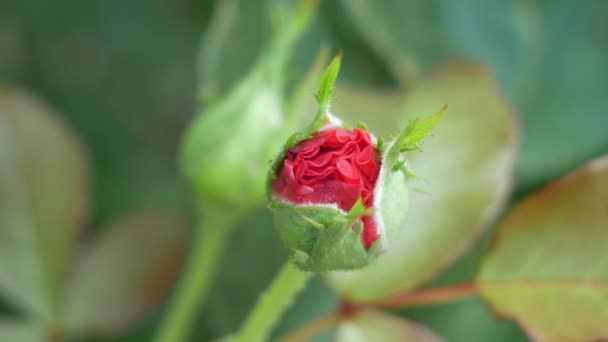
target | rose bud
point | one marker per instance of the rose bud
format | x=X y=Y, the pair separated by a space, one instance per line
x=338 y=195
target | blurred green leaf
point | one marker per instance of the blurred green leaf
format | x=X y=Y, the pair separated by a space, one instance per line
x=467 y=163
x=372 y=326
x=125 y=272
x=547 y=268
x=465 y=321
x=566 y=87
x=407 y=34
x=16 y=331
x=551 y=58
x=43 y=200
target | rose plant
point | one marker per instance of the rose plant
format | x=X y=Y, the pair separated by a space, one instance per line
x=312 y=184
x=468 y=164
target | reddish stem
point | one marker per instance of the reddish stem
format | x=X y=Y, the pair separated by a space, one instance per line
x=347 y=310
x=427 y=296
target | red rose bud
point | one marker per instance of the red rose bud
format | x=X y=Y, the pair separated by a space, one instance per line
x=337 y=197
x=335 y=166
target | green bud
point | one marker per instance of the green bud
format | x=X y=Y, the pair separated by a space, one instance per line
x=227 y=148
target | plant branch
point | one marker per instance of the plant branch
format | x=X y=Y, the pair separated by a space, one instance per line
x=347 y=309
x=312 y=328
x=426 y=296
x=272 y=304
x=207 y=250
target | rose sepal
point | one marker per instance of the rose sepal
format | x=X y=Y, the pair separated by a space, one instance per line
x=322 y=237
x=391 y=200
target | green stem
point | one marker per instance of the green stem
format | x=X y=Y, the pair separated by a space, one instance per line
x=213 y=235
x=272 y=304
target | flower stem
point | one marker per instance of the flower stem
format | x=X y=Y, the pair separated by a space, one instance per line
x=426 y=296
x=213 y=234
x=272 y=304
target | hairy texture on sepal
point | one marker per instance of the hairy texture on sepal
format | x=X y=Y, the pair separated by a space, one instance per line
x=322 y=238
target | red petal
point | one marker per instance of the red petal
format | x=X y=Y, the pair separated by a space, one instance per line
x=335 y=166
x=366 y=161
x=370 y=232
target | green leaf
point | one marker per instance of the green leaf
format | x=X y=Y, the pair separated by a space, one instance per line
x=465 y=320
x=553 y=89
x=467 y=164
x=371 y=326
x=125 y=272
x=563 y=94
x=406 y=34
x=547 y=267
x=43 y=200
x=18 y=331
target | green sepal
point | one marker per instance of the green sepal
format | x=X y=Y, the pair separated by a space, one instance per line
x=391 y=193
x=322 y=238
x=380 y=144
x=328 y=80
x=416 y=130
x=409 y=140
x=362 y=125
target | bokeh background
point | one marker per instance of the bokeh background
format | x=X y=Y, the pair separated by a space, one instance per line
x=124 y=74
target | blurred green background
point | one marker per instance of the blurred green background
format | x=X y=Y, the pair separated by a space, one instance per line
x=124 y=74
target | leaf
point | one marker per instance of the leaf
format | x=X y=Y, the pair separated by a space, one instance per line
x=18 y=331
x=465 y=320
x=43 y=200
x=467 y=164
x=371 y=326
x=125 y=272
x=406 y=34
x=562 y=101
x=547 y=268
x=553 y=89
